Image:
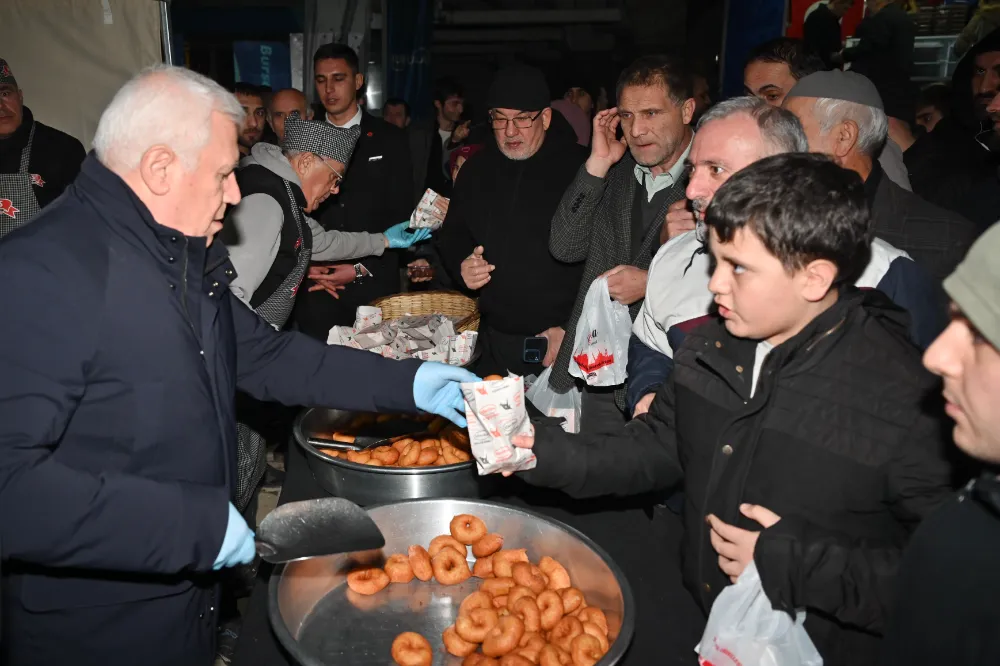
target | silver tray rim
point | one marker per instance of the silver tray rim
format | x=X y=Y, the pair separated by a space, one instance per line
x=358 y=467
x=617 y=651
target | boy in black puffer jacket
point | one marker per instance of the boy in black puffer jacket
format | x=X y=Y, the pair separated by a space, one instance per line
x=800 y=423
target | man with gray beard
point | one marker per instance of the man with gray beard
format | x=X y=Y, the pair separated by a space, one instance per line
x=495 y=239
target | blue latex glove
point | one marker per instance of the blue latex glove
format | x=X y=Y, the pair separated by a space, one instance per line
x=400 y=236
x=238 y=545
x=436 y=390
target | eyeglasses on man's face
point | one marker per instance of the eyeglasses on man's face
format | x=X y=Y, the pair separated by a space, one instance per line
x=521 y=120
x=339 y=176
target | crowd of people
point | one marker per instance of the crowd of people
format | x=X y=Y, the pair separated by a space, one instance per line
x=810 y=270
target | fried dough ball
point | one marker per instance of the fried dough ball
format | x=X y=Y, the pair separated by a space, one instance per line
x=475 y=626
x=487 y=545
x=477 y=599
x=585 y=650
x=360 y=457
x=411 y=649
x=492 y=378
x=503 y=561
x=479 y=659
x=551 y=607
x=594 y=616
x=399 y=569
x=446 y=541
x=428 y=457
x=598 y=633
x=526 y=609
x=385 y=454
x=450 y=568
x=455 y=645
x=558 y=576
x=483 y=568
x=497 y=587
x=515 y=659
x=367 y=581
x=401 y=445
x=420 y=562
x=500 y=603
x=565 y=631
x=529 y=576
x=553 y=655
x=467 y=529
x=504 y=637
x=572 y=599
x=518 y=592
x=410 y=455
x=453 y=456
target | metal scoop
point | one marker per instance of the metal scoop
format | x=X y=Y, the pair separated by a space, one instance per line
x=314 y=528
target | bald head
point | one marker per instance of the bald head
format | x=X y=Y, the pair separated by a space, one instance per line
x=283 y=103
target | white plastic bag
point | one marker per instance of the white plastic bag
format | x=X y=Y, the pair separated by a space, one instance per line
x=600 y=348
x=559 y=405
x=743 y=628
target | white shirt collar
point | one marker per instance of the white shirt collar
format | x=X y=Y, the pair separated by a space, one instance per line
x=654 y=184
x=356 y=120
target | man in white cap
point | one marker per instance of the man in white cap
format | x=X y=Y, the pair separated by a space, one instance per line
x=842 y=115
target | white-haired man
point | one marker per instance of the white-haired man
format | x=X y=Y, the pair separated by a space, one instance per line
x=842 y=115
x=120 y=356
x=731 y=136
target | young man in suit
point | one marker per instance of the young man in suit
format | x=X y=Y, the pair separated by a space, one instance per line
x=376 y=193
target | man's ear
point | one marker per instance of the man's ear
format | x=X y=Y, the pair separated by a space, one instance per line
x=845 y=138
x=687 y=110
x=818 y=278
x=546 y=118
x=359 y=80
x=155 y=166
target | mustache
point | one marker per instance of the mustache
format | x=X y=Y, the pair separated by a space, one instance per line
x=699 y=206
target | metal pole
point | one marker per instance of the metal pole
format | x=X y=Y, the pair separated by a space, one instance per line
x=166 y=34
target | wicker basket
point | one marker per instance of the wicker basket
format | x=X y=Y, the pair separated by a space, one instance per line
x=449 y=303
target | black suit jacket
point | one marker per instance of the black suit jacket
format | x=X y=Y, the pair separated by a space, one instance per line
x=377 y=192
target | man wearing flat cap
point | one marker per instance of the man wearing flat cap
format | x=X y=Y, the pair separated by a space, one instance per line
x=843 y=116
x=495 y=240
x=271 y=238
x=37 y=162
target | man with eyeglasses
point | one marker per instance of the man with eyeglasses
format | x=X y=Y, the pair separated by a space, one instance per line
x=271 y=238
x=495 y=238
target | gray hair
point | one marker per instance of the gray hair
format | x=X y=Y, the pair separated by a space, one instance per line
x=780 y=129
x=873 y=126
x=162 y=105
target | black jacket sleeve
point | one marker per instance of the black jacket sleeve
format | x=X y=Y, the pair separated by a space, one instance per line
x=641 y=458
x=294 y=369
x=804 y=566
x=455 y=239
x=648 y=370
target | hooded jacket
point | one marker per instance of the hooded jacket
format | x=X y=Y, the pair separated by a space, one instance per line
x=839 y=440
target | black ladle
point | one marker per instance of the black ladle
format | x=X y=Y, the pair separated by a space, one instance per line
x=314 y=528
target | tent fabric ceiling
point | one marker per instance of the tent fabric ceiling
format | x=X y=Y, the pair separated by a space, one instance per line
x=71 y=56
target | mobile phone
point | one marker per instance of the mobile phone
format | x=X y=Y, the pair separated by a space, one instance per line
x=535 y=349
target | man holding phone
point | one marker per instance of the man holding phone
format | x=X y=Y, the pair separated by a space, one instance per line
x=495 y=238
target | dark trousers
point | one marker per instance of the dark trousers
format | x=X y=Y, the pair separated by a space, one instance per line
x=500 y=353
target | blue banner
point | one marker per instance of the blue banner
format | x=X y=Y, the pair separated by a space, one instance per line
x=748 y=23
x=408 y=31
x=263 y=64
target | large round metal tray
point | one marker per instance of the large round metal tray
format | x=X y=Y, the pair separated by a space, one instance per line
x=321 y=622
x=367 y=485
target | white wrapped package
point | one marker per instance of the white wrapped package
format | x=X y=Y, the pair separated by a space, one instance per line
x=437 y=353
x=495 y=412
x=461 y=347
x=430 y=211
x=342 y=335
x=367 y=316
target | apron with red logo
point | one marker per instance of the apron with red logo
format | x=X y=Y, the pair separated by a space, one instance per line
x=18 y=204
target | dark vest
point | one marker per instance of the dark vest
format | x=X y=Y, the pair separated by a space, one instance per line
x=255 y=179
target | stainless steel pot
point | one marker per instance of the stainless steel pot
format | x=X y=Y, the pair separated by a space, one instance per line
x=320 y=622
x=366 y=485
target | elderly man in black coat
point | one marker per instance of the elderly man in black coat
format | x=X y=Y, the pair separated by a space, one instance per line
x=121 y=348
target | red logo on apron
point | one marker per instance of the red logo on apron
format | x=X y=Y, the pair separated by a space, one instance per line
x=37 y=180
x=298 y=242
x=7 y=208
x=5 y=72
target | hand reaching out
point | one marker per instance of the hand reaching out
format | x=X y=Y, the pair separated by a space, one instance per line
x=476 y=270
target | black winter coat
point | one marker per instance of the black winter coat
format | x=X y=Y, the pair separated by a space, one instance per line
x=121 y=349
x=836 y=440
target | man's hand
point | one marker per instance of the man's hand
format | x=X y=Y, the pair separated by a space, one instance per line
x=420 y=270
x=605 y=149
x=476 y=270
x=642 y=406
x=331 y=279
x=555 y=337
x=461 y=132
x=522 y=442
x=679 y=220
x=626 y=284
x=735 y=546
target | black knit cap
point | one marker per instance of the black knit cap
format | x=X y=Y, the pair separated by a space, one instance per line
x=519 y=87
